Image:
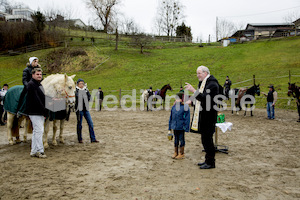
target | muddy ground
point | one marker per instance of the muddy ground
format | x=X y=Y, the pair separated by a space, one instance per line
x=133 y=161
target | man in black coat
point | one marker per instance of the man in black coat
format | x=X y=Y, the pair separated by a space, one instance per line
x=100 y=98
x=205 y=113
x=35 y=108
x=227 y=86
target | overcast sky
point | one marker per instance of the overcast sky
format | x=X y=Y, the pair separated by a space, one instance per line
x=199 y=15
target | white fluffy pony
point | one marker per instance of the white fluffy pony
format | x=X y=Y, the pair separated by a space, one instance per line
x=55 y=86
x=58 y=86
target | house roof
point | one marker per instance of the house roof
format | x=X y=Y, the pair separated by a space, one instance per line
x=253 y=26
x=297 y=21
x=270 y=24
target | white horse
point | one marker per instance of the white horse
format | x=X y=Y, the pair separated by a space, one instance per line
x=13 y=125
x=55 y=86
x=145 y=96
x=58 y=86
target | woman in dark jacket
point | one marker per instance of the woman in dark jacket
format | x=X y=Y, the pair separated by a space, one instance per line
x=83 y=96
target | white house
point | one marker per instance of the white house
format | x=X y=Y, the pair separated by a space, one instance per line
x=20 y=15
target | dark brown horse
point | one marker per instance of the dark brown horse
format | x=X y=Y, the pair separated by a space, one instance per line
x=244 y=91
x=294 y=91
x=162 y=93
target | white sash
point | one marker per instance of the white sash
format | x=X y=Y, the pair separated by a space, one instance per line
x=197 y=106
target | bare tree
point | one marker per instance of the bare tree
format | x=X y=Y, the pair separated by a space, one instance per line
x=141 y=40
x=158 y=26
x=291 y=17
x=169 y=15
x=225 y=28
x=52 y=17
x=105 y=11
x=69 y=13
x=8 y=6
x=5 y=6
x=130 y=27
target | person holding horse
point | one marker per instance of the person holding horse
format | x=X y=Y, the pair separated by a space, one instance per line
x=83 y=96
x=36 y=110
x=179 y=122
x=205 y=113
x=271 y=100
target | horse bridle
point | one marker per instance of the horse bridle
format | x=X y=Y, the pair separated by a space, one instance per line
x=67 y=95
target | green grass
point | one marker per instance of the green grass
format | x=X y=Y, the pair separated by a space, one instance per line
x=176 y=63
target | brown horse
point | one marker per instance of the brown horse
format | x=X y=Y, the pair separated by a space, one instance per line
x=244 y=91
x=162 y=93
x=294 y=91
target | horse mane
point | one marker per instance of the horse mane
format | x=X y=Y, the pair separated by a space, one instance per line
x=164 y=86
x=294 y=88
x=53 y=85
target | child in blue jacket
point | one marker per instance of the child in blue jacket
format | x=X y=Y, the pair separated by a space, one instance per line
x=179 y=122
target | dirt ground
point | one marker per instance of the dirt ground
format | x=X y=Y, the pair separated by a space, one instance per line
x=133 y=161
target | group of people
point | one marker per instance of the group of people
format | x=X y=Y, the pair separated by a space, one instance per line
x=204 y=120
x=37 y=112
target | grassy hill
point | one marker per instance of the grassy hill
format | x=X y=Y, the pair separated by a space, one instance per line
x=175 y=63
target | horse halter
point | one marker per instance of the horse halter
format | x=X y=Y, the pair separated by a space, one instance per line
x=67 y=95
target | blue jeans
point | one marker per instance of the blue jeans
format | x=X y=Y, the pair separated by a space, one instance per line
x=88 y=118
x=179 y=136
x=270 y=110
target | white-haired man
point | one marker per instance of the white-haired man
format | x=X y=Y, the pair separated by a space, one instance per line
x=205 y=114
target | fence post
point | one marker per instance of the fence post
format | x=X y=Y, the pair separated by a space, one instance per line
x=120 y=96
x=253 y=79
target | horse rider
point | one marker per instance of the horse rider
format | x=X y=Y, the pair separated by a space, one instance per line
x=33 y=63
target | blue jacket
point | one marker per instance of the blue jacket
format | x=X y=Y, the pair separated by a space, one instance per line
x=179 y=120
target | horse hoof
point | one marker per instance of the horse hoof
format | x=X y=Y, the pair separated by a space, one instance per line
x=46 y=146
x=18 y=141
x=62 y=141
x=11 y=142
x=54 y=143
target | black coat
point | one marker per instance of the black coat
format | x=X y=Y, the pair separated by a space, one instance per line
x=227 y=84
x=86 y=94
x=35 y=100
x=207 y=117
x=101 y=95
x=27 y=74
